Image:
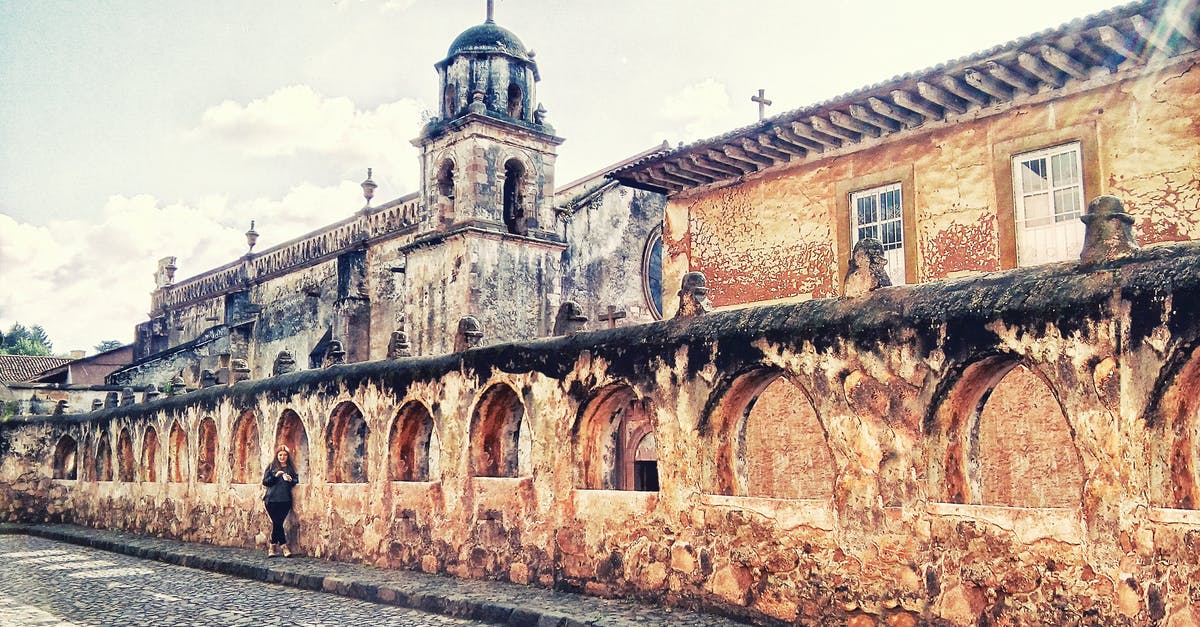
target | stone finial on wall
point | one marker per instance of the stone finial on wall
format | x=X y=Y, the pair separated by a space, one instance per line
x=177 y=386
x=866 y=273
x=97 y=404
x=1108 y=234
x=693 y=296
x=208 y=378
x=239 y=370
x=151 y=393
x=469 y=335
x=284 y=363
x=112 y=399
x=399 y=346
x=60 y=408
x=334 y=354
x=127 y=396
x=165 y=275
x=570 y=318
x=36 y=405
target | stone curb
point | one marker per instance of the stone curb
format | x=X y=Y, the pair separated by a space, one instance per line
x=464 y=606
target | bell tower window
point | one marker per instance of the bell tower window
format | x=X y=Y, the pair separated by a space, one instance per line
x=515 y=101
x=448 y=100
x=514 y=209
x=445 y=179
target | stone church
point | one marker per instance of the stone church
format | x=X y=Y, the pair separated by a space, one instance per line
x=934 y=358
x=486 y=251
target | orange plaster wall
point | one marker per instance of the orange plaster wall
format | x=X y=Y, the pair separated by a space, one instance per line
x=775 y=236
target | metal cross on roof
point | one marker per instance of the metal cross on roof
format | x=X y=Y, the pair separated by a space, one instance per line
x=763 y=103
x=491 y=11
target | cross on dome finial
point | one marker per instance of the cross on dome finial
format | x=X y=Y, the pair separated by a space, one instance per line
x=491 y=11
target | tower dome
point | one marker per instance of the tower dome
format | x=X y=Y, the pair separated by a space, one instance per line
x=488 y=38
x=489 y=71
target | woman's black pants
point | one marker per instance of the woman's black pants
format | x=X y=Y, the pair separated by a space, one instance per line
x=278 y=512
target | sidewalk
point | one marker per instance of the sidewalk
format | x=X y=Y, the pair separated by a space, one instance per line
x=490 y=601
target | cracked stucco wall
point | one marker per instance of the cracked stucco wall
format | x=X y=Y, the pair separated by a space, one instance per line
x=775 y=235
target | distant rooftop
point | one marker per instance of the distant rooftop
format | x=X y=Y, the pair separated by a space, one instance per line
x=15 y=368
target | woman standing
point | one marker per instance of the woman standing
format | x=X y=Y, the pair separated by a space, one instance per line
x=279 y=478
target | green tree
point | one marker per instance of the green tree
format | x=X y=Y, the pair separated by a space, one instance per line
x=108 y=345
x=20 y=340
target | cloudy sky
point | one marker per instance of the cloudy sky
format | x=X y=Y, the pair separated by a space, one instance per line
x=132 y=130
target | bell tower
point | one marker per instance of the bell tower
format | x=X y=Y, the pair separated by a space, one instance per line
x=487 y=244
x=488 y=158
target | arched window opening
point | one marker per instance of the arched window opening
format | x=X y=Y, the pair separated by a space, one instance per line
x=410 y=444
x=496 y=433
x=1025 y=455
x=445 y=179
x=514 y=201
x=126 y=470
x=104 y=469
x=206 y=458
x=150 y=455
x=63 y=465
x=177 y=454
x=769 y=441
x=515 y=101
x=347 y=441
x=245 y=450
x=1175 y=429
x=645 y=464
x=448 y=108
x=607 y=436
x=292 y=434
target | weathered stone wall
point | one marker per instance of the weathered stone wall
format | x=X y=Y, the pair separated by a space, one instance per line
x=906 y=516
x=606 y=267
x=776 y=234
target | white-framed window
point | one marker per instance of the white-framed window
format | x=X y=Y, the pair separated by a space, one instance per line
x=878 y=212
x=1048 y=197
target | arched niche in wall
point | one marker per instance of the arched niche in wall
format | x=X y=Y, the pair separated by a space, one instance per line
x=104 y=468
x=1174 y=425
x=64 y=465
x=1002 y=438
x=292 y=434
x=150 y=455
x=496 y=426
x=126 y=465
x=413 y=447
x=606 y=437
x=346 y=438
x=768 y=441
x=206 y=453
x=177 y=453
x=245 y=450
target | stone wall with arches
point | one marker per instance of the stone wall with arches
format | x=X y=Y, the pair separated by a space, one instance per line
x=1019 y=447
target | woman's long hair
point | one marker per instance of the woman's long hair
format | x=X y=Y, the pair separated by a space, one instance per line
x=290 y=468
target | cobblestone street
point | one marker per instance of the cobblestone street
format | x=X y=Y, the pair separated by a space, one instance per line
x=43 y=582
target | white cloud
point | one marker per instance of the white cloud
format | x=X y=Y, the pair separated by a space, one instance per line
x=88 y=280
x=697 y=111
x=297 y=120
